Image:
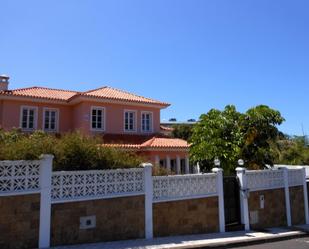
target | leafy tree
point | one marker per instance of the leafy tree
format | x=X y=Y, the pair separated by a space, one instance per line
x=260 y=129
x=183 y=131
x=217 y=134
x=229 y=135
x=290 y=150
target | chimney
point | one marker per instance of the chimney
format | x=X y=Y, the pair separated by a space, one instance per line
x=4 y=82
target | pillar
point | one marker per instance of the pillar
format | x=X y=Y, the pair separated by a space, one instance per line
x=157 y=160
x=287 y=196
x=178 y=166
x=148 y=200
x=168 y=163
x=305 y=191
x=219 y=173
x=187 y=165
x=241 y=174
x=45 y=201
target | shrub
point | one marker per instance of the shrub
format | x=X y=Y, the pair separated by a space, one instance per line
x=72 y=151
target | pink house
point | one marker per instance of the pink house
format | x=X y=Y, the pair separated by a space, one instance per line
x=125 y=120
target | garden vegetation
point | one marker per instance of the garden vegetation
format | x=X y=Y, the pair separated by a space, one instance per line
x=72 y=151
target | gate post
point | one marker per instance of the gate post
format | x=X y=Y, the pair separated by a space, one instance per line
x=219 y=173
x=241 y=174
x=287 y=196
x=45 y=202
x=305 y=196
x=148 y=200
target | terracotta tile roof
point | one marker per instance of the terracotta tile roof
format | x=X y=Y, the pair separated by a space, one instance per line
x=126 y=138
x=116 y=94
x=152 y=143
x=165 y=143
x=66 y=95
x=41 y=92
x=165 y=128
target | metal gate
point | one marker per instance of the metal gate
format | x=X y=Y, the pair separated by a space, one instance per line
x=231 y=203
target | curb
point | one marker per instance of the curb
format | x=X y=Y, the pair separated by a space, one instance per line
x=254 y=241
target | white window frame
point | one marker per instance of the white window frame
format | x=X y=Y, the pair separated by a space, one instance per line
x=151 y=122
x=135 y=120
x=35 y=118
x=56 y=119
x=102 y=121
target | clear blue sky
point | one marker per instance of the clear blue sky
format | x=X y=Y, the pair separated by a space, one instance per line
x=195 y=54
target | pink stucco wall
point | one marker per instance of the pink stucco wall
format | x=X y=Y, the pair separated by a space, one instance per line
x=1 y=113
x=77 y=117
x=11 y=114
x=114 y=116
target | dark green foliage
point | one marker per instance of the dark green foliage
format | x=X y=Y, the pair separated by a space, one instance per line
x=230 y=135
x=183 y=131
x=291 y=151
x=260 y=130
x=217 y=134
x=72 y=151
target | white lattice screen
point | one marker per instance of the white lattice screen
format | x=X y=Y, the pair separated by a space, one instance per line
x=19 y=176
x=184 y=186
x=73 y=185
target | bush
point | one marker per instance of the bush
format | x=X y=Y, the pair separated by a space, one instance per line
x=72 y=151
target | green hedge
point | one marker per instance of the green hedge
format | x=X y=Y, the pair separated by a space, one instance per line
x=72 y=151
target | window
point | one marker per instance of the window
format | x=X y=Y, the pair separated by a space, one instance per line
x=129 y=120
x=147 y=121
x=28 y=118
x=97 y=118
x=50 y=119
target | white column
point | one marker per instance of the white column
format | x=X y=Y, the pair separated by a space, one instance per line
x=45 y=202
x=148 y=200
x=287 y=196
x=187 y=163
x=219 y=173
x=168 y=163
x=305 y=196
x=178 y=166
x=157 y=160
x=241 y=174
x=197 y=168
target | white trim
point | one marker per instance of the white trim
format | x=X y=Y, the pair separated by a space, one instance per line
x=77 y=100
x=35 y=118
x=186 y=198
x=151 y=122
x=103 y=121
x=97 y=197
x=119 y=102
x=264 y=188
x=56 y=121
x=21 y=192
x=124 y=121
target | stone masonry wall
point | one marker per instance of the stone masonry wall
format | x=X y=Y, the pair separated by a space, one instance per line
x=274 y=212
x=297 y=205
x=186 y=217
x=19 y=221
x=116 y=219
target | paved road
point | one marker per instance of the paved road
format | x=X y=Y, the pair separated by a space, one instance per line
x=298 y=243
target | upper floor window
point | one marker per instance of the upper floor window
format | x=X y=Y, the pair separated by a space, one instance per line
x=147 y=121
x=97 y=118
x=50 y=119
x=28 y=118
x=130 y=120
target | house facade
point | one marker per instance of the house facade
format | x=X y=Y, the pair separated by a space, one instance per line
x=125 y=120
